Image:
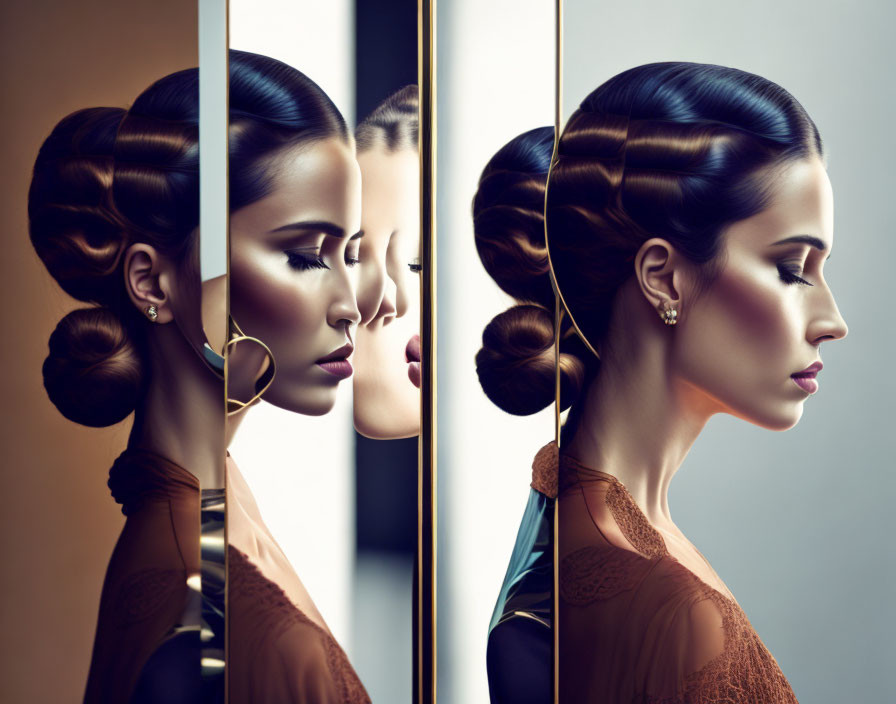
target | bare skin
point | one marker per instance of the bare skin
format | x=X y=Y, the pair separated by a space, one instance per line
x=293 y=276
x=732 y=351
x=387 y=377
x=181 y=416
x=293 y=272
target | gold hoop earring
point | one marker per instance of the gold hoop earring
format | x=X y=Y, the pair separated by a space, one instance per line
x=152 y=312
x=264 y=382
x=669 y=315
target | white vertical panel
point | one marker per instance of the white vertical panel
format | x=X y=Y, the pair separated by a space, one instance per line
x=300 y=468
x=212 y=138
x=495 y=81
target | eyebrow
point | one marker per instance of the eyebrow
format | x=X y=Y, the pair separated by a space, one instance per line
x=328 y=228
x=803 y=239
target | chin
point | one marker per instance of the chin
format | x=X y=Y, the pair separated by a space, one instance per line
x=374 y=433
x=307 y=404
x=383 y=426
x=780 y=419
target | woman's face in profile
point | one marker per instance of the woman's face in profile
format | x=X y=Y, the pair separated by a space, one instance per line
x=750 y=344
x=387 y=379
x=293 y=272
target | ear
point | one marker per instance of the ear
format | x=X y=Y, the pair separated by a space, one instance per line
x=146 y=277
x=661 y=273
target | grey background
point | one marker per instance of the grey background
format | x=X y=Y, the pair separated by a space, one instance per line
x=796 y=523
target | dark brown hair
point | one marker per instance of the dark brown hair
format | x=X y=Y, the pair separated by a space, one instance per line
x=516 y=362
x=393 y=125
x=106 y=178
x=673 y=150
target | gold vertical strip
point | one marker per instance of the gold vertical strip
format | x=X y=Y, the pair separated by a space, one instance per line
x=558 y=319
x=425 y=655
x=226 y=395
x=214 y=41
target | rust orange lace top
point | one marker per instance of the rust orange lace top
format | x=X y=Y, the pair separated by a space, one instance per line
x=276 y=654
x=636 y=626
x=145 y=590
x=280 y=650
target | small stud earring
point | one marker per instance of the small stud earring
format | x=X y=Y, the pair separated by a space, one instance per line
x=152 y=312
x=669 y=315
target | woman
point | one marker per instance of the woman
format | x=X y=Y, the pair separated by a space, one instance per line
x=688 y=218
x=113 y=213
x=295 y=233
x=387 y=382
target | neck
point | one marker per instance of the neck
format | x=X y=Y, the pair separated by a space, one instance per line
x=182 y=415
x=638 y=423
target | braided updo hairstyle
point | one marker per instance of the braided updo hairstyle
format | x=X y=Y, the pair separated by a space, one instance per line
x=673 y=150
x=516 y=362
x=107 y=178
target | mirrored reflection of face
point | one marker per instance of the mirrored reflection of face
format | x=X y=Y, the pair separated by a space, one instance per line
x=764 y=318
x=293 y=257
x=387 y=360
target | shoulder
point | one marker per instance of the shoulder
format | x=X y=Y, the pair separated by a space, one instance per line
x=277 y=654
x=296 y=662
x=643 y=624
x=519 y=662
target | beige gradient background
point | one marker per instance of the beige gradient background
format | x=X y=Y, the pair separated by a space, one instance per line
x=58 y=523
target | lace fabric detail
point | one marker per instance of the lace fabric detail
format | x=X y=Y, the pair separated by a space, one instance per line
x=544 y=470
x=249 y=585
x=643 y=537
x=138 y=476
x=744 y=671
x=593 y=573
x=144 y=592
x=740 y=669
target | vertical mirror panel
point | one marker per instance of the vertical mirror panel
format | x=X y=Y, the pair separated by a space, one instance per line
x=495 y=81
x=324 y=291
x=704 y=352
x=101 y=170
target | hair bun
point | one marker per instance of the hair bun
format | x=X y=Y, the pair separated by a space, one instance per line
x=93 y=374
x=516 y=362
x=508 y=217
x=74 y=228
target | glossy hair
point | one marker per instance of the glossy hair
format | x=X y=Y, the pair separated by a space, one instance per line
x=107 y=178
x=673 y=150
x=516 y=362
x=393 y=125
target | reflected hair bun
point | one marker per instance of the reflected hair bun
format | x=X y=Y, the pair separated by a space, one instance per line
x=516 y=363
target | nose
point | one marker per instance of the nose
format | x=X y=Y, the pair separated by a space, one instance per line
x=343 y=308
x=827 y=324
x=401 y=296
x=387 y=309
x=376 y=299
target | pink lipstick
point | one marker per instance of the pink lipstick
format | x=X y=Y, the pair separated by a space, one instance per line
x=412 y=356
x=336 y=363
x=806 y=378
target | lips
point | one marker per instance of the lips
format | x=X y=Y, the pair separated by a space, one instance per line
x=412 y=356
x=336 y=363
x=806 y=378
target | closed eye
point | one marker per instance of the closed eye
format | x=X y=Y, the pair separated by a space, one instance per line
x=791 y=274
x=302 y=261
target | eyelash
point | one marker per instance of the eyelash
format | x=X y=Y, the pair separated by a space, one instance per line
x=790 y=276
x=415 y=265
x=303 y=262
